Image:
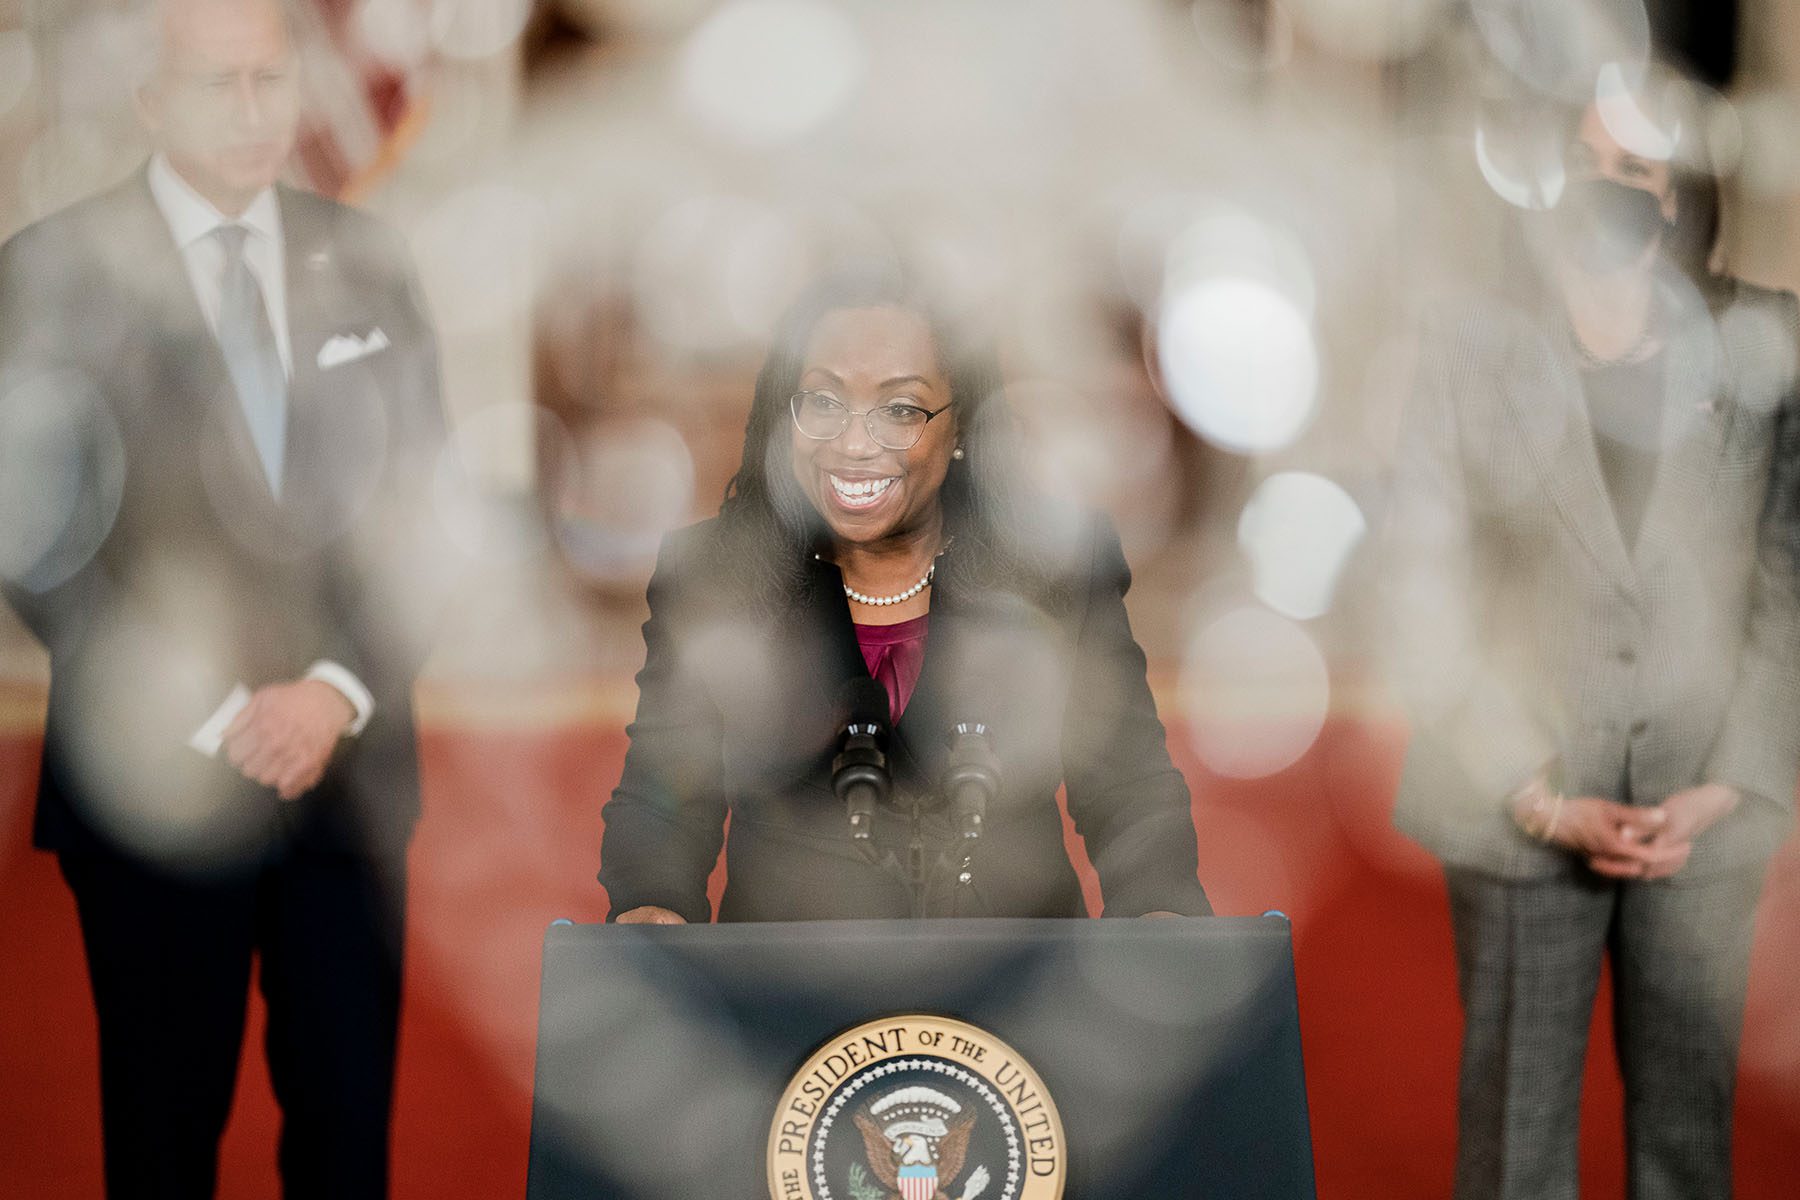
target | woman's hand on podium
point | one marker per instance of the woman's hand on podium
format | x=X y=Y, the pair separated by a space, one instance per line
x=649 y=914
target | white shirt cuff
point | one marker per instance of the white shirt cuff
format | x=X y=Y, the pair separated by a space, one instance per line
x=209 y=739
x=351 y=688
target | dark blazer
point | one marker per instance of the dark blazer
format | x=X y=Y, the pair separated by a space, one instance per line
x=168 y=570
x=740 y=715
x=1528 y=632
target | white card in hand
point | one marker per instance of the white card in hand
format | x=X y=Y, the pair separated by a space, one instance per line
x=210 y=737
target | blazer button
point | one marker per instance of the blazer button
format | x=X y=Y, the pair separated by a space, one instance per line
x=1628 y=656
x=1638 y=728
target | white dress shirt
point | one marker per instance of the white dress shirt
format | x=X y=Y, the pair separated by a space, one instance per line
x=192 y=219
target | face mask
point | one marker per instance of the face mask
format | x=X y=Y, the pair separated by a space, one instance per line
x=1605 y=225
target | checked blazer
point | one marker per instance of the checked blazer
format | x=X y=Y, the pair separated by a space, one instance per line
x=1526 y=632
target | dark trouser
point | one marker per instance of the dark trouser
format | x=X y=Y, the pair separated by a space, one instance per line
x=169 y=959
x=1528 y=964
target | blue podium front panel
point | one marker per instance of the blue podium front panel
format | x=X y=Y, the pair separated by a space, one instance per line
x=969 y=1060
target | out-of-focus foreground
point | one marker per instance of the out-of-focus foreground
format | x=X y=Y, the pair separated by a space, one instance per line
x=1202 y=232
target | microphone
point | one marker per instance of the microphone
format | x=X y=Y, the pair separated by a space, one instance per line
x=859 y=773
x=971 y=777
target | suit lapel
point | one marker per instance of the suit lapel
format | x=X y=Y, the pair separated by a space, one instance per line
x=918 y=738
x=1696 y=418
x=309 y=264
x=187 y=352
x=339 y=433
x=828 y=615
x=982 y=633
x=1542 y=389
x=310 y=274
x=977 y=635
x=148 y=258
x=818 y=648
x=919 y=735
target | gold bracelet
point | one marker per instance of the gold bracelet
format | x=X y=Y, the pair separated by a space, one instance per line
x=1534 y=823
x=1556 y=808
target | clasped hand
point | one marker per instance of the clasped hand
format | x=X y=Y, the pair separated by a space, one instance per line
x=1624 y=841
x=284 y=737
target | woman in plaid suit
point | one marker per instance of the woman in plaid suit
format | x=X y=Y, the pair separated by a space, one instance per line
x=1600 y=646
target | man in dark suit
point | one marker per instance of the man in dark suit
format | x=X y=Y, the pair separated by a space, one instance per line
x=228 y=389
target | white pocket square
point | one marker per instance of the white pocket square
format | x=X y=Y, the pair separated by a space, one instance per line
x=347 y=347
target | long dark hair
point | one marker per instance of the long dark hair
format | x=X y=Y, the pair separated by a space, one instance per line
x=768 y=522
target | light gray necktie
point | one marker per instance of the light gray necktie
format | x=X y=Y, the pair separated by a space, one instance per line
x=252 y=356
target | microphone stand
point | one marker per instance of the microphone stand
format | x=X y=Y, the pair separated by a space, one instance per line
x=915 y=857
x=908 y=870
x=971 y=780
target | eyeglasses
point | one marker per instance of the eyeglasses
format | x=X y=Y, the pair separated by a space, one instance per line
x=821 y=416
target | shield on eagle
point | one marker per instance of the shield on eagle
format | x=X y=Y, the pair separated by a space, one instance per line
x=918 y=1182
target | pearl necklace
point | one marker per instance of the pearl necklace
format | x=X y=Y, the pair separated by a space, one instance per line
x=1633 y=355
x=898 y=597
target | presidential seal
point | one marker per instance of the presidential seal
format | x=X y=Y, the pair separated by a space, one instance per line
x=916 y=1108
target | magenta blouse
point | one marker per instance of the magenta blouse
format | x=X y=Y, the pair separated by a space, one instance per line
x=894 y=654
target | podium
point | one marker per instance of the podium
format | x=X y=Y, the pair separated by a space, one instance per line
x=873 y=1060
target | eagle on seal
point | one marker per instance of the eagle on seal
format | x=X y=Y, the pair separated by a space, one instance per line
x=915 y=1163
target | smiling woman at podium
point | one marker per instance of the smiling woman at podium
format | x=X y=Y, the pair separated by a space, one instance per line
x=882 y=606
